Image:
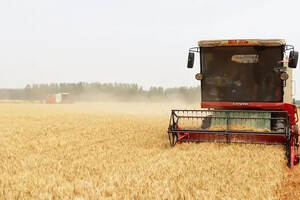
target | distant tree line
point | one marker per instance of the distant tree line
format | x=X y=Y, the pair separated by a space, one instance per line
x=102 y=92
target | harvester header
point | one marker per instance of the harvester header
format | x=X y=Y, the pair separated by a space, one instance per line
x=243 y=95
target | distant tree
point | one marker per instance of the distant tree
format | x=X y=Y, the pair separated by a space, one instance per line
x=27 y=90
x=90 y=91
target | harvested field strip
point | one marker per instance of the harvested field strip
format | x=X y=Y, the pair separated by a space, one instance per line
x=86 y=151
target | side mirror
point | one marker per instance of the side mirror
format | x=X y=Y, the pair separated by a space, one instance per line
x=293 y=59
x=190 y=63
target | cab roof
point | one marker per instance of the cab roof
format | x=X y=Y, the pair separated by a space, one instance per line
x=242 y=42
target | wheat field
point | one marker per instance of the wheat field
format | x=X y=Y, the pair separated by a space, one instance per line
x=121 y=151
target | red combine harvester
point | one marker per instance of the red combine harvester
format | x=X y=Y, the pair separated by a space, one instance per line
x=59 y=98
x=242 y=92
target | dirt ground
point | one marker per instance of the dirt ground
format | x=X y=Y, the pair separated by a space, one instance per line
x=121 y=151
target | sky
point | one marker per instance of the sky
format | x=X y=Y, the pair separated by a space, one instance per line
x=128 y=41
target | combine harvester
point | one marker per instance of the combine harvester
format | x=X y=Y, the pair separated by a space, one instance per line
x=59 y=98
x=246 y=94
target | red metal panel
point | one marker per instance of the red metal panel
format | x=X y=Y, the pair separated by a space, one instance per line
x=243 y=105
x=50 y=100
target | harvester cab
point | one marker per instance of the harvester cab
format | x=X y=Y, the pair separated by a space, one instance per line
x=246 y=96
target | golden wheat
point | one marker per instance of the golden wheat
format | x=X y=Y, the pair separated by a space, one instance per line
x=121 y=151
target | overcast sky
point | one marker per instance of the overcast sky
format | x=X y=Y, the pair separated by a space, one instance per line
x=132 y=41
